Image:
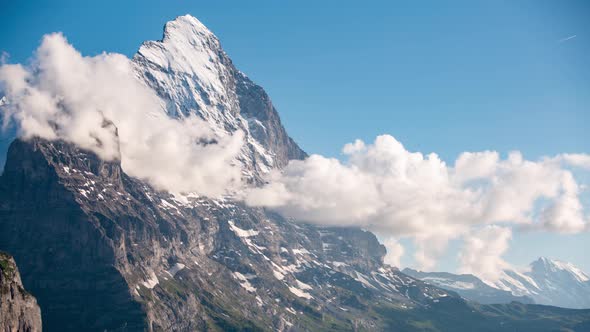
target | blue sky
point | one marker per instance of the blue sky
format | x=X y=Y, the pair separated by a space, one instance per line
x=440 y=77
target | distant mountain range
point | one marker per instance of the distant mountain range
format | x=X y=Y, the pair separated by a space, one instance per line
x=468 y=286
x=545 y=281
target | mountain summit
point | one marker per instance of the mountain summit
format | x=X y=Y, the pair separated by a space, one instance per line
x=545 y=281
x=548 y=281
x=545 y=266
x=191 y=72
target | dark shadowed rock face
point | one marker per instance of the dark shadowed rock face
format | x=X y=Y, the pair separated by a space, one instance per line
x=265 y=124
x=19 y=311
x=65 y=256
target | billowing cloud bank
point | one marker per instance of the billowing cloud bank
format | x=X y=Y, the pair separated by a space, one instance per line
x=387 y=189
x=86 y=100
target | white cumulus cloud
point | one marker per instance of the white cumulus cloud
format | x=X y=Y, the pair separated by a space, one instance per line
x=395 y=192
x=395 y=251
x=482 y=252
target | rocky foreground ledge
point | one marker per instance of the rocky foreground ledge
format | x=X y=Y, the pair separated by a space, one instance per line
x=18 y=309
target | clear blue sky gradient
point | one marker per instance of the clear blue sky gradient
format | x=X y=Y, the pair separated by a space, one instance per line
x=442 y=77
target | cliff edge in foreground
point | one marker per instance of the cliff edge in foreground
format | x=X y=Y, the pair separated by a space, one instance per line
x=18 y=309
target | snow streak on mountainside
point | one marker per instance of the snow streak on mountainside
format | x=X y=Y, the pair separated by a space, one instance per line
x=191 y=72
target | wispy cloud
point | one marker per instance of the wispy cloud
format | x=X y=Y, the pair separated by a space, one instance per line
x=562 y=40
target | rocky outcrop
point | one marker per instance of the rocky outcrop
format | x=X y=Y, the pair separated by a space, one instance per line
x=19 y=311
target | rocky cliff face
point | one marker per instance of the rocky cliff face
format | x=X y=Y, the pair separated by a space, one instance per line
x=105 y=251
x=64 y=253
x=19 y=311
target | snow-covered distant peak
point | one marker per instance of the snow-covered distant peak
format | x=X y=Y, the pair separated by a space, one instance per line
x=544 y=264
x=550 y=282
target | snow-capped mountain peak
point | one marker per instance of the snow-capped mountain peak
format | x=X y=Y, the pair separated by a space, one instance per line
x=190 y=53
x=546 y=266
x=191 y=73
x=186 y=26
x=545 y=281
x=550 y=282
